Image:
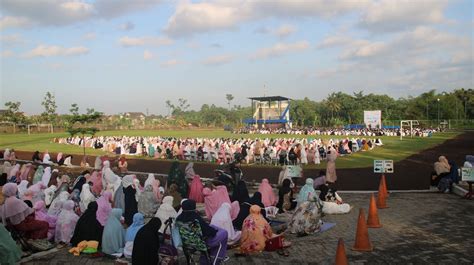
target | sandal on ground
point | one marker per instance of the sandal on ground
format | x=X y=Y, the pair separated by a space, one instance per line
x=283 y=253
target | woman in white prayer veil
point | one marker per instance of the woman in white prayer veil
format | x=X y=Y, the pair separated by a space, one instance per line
x=57 y=203
x=222 y=219
x=86 y=197
x=46 y=176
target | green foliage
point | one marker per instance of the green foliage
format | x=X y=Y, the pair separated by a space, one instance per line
x=49 y=104
x=13 y=113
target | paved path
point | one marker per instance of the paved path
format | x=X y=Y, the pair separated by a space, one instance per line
x=418 y=228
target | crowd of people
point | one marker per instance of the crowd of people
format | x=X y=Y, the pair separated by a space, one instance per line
x=281 y=151
x=103 y=211
x=366 y=132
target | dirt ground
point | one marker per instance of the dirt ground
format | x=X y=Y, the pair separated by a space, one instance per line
x=412 y=173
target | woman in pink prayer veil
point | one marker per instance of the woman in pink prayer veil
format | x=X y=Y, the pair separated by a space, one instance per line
x=268 y=197
x=195 y=193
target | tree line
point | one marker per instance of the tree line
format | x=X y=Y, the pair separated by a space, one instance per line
x=337 y=109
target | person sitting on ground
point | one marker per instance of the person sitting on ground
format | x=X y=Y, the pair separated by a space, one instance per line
x=166 y=211
x=47 y=158
x=286 y=201
x=306 y=192
x=36 y=157
x=241 y=193
x=245 y=210
x=268 y=197
x=113 y=238
x=223 y=219
x=87 y=227
x=42 y=215
x=332 y=202
x=20 y=215
x=147 y=202
x=130 y=200
x=11 y=253
x=138 y=223
x=173 y=192
x=66 y=223
x=307 y=217
x=147 y=244
x=195 y=192
x=215 y=237
x=441 y=170
x=319 y=180
x=67 y=161
x=104 y=207
x=123 y=165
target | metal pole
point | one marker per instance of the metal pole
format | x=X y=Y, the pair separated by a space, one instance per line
x=438 y=111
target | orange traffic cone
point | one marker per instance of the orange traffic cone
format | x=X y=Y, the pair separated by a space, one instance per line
x=383 y=185
x=373 y=217
x=362 y=242
x=341 y=258
x=381 y=204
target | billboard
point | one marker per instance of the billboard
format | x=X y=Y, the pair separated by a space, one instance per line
x=373 y=118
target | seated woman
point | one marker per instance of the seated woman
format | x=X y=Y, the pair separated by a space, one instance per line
x=245 y=210
x=222 y=219
x=307 y=217
x=286 y=201
x=42 y=215
x=130 y=200
x=332 y=202
x=215 y=238
x=11 y=253
x=146 y=243
x=255 y=232
x=166 y=211
x=213 y=199
x=268 y=197
x=138 y=223
x=22 y=217
x=306 y=192
x=151 y=180
x=113 y=238
x=86 y=197
x=241 y=193
x=104 y=207
x=442 y=169
x=87 y=227
x=319 y=180
x=147 y=202
x=173 y=192
x=66 y=223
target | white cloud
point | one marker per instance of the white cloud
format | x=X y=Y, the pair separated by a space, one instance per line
x=49 y=51
x=284 y=31
x=390 y=15
x=66 y=12
x=170 y=63
x=13 y=22
x=280 y=49
x=7 y=53
x=219 y=59
x=147 y=55
x=89 y=36
x=190 y=17
x=9 y=40
x=127 y=26
x=144 y=41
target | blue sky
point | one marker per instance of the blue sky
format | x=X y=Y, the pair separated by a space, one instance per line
x=118 y=56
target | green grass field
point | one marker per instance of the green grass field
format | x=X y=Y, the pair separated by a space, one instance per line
x=393 y=148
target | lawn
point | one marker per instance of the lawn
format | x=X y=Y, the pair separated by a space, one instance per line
x=393 y=148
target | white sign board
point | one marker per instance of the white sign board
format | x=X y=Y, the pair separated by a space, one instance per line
x=383 y=166
x=467 y=174
x=373 y=118
x=294 y=171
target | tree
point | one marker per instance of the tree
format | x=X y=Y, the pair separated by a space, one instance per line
x=49 y=104
x=78 y=124
x=229 y=98
x=169 y=106
x=74 y=109
x=13 y=113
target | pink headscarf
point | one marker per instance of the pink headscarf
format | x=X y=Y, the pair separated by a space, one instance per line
x=36 y=191
x=96 y=180
x=104 y=207
x=213 y=199
x=42 y=215
x=268 y=197
x=25 y=171
x=195 y=193
x=13 y=210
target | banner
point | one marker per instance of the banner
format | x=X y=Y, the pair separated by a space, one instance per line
x=373 y=118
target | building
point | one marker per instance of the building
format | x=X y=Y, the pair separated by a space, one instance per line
x=270 y=112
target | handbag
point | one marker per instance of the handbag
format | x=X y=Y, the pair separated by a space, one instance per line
x=274 y=243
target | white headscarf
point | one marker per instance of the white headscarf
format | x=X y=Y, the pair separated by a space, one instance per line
x=127 y=181
x=86 y=197
x=166 y=211
x=46 y=176
x=49 y=194
x=222 y=219
x=22 y=187
x=57 y=203
x=111 y=179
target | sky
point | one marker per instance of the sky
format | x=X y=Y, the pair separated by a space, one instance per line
x=119 y=55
